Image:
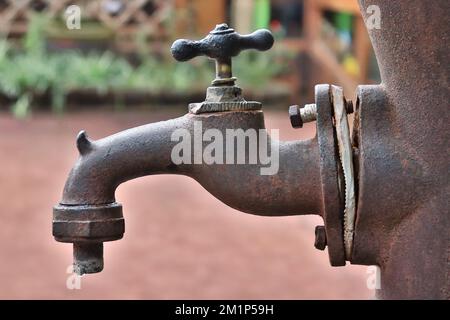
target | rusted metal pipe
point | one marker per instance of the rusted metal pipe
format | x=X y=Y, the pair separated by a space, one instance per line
x=88 y=212
x=396 y=175
x=146 y=150
x=401 y=141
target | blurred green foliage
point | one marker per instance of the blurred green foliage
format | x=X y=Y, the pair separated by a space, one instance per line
x=33 y=70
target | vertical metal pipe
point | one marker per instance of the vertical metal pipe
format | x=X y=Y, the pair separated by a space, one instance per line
x=402 y=142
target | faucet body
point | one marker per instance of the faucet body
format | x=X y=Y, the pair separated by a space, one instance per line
x=88 y=213
x=398 y=158
x=146 y=150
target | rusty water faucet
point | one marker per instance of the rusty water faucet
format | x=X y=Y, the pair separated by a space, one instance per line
x=382 y=189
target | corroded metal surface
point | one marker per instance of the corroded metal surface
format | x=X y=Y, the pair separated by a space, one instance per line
x=87 y=257
x=104 y=164
x=306 y=170
x=400 y=162
x=222 y=44
x=402 y=145
x=306 y=181
x=224 y=98
x=330 y=176
x=147 y=150
x=95 y=223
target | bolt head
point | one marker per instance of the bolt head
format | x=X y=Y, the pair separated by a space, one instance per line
x=295 y=117
x=320 y=242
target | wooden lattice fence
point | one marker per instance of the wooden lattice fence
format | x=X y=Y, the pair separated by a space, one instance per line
x=124 y=18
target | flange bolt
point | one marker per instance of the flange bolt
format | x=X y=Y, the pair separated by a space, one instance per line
x=320 y=241
x=299 y=116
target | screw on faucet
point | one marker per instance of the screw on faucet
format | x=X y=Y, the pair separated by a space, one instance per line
x=308 y=113
x=320 y=241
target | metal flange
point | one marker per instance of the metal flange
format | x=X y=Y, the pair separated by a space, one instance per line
x=333 y=204
x=346 y=161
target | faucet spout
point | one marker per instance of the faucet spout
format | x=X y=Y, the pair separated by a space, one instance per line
x=88 y=213
x=106 y=163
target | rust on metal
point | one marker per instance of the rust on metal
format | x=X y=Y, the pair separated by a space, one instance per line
x=346 y=163
x=401 y=138
x=88 y=214
x=383 y=199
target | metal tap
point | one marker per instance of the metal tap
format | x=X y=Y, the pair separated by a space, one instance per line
x=381 y=190
x=306 y=183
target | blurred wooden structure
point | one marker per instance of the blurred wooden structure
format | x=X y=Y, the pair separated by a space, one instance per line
x=312 y=45
x=164 y=20
x=126 y=18
x=199 y=16
x=322 y=55
x=123 y=18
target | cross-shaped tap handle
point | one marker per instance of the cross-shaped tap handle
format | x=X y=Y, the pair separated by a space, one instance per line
x=221 y=44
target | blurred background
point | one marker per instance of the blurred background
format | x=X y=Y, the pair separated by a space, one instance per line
x=116 y=72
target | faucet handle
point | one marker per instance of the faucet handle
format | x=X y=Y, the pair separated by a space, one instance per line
x=222 y=44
